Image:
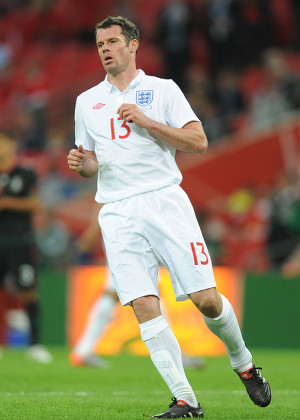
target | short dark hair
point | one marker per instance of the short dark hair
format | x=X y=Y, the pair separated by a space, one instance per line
x=129 y=29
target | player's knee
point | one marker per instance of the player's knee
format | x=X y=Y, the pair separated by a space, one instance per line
x=209 y=302
x=146 y=308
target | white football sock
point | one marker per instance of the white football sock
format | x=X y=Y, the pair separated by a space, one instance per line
x=226 y=327
x=166 y=355
x=98 y=318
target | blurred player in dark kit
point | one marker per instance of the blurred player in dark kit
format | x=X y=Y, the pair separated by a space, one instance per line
x=18 y=255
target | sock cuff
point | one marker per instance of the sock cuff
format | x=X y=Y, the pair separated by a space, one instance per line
x=153 y=327
x=226 y=307
x=223 y=317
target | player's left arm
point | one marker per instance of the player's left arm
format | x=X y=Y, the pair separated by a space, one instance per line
x=30 y=204
x=190 y=138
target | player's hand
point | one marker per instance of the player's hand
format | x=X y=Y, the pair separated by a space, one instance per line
x=76 y=159
x=132 y=113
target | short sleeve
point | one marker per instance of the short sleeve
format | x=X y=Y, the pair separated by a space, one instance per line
x=81 y=134
x=178 y=110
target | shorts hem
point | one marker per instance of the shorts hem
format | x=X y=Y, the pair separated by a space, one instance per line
x=182 y=297
x=126 y=302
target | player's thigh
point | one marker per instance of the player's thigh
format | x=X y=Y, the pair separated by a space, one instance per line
x=180 y=244
x=3 y=265
x=131 y=260
x=23 y=267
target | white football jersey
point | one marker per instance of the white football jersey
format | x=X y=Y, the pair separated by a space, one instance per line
x=131 y=160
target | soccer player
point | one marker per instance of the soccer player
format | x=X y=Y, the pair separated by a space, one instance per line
x=18 y=262
x=127 y=130
x=102 y=311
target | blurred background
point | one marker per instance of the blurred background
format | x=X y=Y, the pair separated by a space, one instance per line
x=238 y=63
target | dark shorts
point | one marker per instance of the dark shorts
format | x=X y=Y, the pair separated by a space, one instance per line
x=19 y=265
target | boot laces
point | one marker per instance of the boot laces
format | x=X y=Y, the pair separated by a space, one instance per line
x=174 y=402
x=257 y=374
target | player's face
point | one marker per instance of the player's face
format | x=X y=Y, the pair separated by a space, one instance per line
x=8 y=151
x=113 y=50
x=7 y=146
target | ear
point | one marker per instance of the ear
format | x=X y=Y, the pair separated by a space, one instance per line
x=134 y=44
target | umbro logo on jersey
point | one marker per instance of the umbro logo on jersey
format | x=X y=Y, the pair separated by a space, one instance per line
x=98 y=106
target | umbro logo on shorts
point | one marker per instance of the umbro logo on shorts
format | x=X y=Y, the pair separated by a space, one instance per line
x=98 y=106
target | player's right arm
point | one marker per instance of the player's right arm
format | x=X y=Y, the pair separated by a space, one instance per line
x=83 y=161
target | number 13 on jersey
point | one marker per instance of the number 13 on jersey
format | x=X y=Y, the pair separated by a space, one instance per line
x=124 y=126
x=199 y=254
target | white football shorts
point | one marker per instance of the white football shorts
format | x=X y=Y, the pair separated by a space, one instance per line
x=158 y=227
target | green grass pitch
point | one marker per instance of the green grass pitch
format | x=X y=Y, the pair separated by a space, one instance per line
x=132 y=389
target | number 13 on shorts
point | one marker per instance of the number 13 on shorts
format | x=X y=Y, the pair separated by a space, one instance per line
x=200 y=256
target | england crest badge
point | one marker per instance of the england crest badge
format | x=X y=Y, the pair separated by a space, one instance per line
x=144 y=97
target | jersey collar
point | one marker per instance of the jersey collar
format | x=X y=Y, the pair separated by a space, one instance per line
x=131 y=85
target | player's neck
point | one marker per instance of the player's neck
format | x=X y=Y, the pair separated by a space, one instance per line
x=122 y=80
